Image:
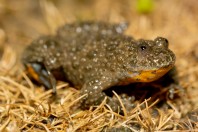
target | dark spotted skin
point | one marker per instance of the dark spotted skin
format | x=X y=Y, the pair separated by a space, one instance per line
x=95 y=56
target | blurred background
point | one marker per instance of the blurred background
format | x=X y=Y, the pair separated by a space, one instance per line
x=27 y=19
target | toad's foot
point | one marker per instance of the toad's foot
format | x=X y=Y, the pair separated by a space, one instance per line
x=94 y=94
x=41 y=74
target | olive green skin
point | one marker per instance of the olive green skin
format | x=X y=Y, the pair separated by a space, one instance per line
x=95 y=56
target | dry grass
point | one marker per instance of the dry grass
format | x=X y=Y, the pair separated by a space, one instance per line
x=25 y=106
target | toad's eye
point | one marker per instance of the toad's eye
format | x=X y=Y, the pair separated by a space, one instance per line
x=143 y=47
x=161 y=42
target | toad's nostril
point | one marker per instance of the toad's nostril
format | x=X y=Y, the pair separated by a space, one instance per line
x=161 y=42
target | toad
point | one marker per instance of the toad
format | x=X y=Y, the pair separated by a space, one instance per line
x=94 y=56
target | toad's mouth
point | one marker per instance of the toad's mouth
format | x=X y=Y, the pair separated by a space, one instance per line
x=146 y=75
x=151 y=75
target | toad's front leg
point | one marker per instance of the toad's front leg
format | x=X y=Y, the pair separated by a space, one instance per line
x=94 y=94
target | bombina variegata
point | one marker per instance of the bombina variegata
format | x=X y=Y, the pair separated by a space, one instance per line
x=95 y=56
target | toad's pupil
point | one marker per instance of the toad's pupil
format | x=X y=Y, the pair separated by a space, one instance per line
x=143 y=47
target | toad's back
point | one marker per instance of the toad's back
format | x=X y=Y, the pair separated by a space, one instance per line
x=92 y=48
x=95 y=56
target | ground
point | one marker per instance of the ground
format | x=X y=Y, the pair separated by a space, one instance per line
x=25 y=106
